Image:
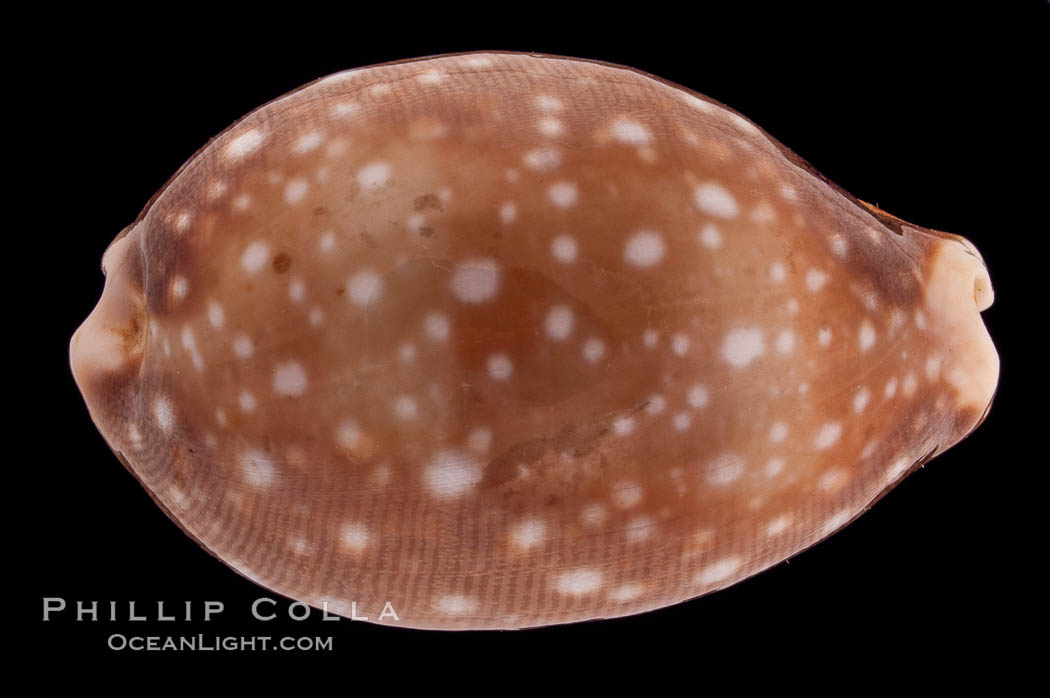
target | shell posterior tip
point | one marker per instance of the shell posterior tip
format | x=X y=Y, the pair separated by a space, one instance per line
x=958 y=290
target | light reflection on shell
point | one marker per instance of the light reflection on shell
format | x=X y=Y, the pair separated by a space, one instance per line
x=511 y=340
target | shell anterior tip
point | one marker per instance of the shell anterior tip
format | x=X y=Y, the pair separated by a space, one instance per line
x=115 y=331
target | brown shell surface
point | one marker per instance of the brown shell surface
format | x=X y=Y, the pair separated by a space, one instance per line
x=509 y=340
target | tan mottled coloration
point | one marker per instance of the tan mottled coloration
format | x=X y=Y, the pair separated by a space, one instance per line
x=511 y=340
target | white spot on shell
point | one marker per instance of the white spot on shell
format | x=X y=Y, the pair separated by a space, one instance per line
x=476 y=280
x=724 y=469
x=254 y=257
x=542 y=159
x=742 y=345
x=698 y=397
x=860 y=400
x=500 y=367
x=163 y=414
x=180 y=498
x=714 y=199
x=564 y=249
x=528 y=534
x=644 y=249
x=639 y=529
x=345 y=109
x=866 y=336
x=456 y=605
x=348 y=434
x=364 y=287
x=829 y=433
x=216 y=316
x=244 y=144
x=763 y=213
x=816 y=279
x=258 y=468
x=180 y=287
x=563 y=194
x=550 y=127
x=315 y=317
x=415 y=222
x=626 y=592
x=710 y=236
x=189 y=343
x=216 y=188
x=655 y=404
x=477 y=62
x=430 y=77
x=788 y=192
x=549 y=103
x=354 y=537
x=933 y=367
x=134 y=435
x=630 y=132
x=247 y=401
x=622 y=426
x=719 y=571
x=299 y=545
x=289 y=378
x=436 y=326
x=679 y=344
x=835 y=522
x=559 y=322
x=777 y=272
x=508 y=213
x=452 y=473
x=593 y=350
x=308 y=142
x=326 y=242
x=778 y=525
x=295 y=190
x=778 y=432
x=698 y=103
x=374 y=176
x=296 y=290
x=785 y=341
x=243 y=347
x=838 y=245
x=405 y=407
x=831 y=480
x=578 y=582
x=898 y=468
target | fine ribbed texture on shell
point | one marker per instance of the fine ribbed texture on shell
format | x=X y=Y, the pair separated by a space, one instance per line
x=508 y=340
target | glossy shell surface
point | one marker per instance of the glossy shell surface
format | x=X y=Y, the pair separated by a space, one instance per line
x=509 y=340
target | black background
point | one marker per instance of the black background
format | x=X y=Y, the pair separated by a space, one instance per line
x=938 y=117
